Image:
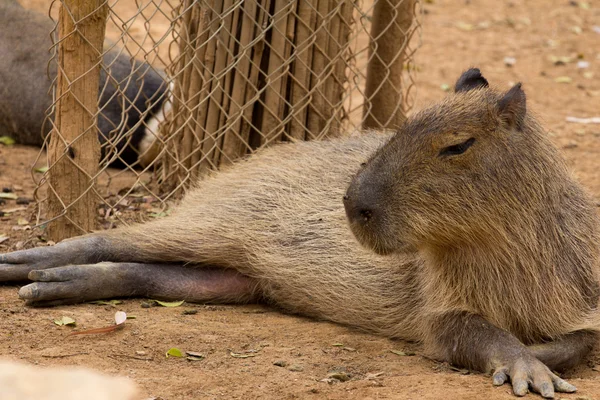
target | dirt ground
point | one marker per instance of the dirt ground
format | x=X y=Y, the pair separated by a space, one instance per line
x=545 y=38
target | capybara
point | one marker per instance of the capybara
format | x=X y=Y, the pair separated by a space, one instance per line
x=131 y=98
x=473 y=238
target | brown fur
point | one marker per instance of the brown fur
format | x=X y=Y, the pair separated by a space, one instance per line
x=483 y=242
x=504 y=232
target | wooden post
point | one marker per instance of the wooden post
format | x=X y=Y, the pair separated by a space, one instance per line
x=74 y=149
x=383 y=106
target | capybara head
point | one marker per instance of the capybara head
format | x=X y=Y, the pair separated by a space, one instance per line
x=467 y=170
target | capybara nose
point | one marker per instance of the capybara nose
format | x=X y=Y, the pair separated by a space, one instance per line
x=356 y=212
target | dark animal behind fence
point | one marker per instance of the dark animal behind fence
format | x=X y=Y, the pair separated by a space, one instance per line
x=132 y=93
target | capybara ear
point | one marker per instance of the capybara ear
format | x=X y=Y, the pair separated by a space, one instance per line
x=513 y=106
x=469 y=80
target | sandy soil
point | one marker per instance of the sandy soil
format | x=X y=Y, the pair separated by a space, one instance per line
x=456 y=35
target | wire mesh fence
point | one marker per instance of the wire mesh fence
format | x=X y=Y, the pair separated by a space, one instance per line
x=179 y=88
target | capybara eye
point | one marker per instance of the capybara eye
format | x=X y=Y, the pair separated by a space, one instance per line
x=457 y=148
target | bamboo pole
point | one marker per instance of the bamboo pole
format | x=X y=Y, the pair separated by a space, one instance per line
x=197 y=89
x=191 y=82
x=304 y=38
x=337 y=49
x=74 y=149
x=333 y=48
x=224 y=126
x=251 y=119
x=217 y=78
x=277 y=72
x=315 y=116
x=383 y=106
x=234 y=144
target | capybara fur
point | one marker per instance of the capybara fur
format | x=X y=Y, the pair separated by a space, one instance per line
x=473 y=238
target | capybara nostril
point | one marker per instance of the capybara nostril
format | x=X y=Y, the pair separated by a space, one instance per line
x=365 y=214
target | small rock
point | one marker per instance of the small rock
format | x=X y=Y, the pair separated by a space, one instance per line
x=189 y=312
x=296 y=368
x=583 y=64
x=23 y=200
x=280 y=363
x=145 y=304
x=510 y=61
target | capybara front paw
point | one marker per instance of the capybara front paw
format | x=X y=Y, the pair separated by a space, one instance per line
x=528 y=373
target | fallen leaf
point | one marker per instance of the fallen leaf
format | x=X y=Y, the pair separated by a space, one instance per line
x=41 y=170
x=338 y=344
x=560 y=60
x=3 y=238
x=445 y=87
x=402 y=353
x=120 y=317
x=563 y=79
x=462 y=371
x=22 y=221
x=95 y=331
x=112 y=303
x=13 y=210
x=194 y=356
x=340 y=376
x=7 y=140
x=370 y=376
x=65 y=321
x=464 y=26
x=8 y=196
x=328 y=380
x=174 y=352
x=169 y=303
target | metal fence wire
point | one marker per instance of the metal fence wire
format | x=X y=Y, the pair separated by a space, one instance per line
x=188 y=86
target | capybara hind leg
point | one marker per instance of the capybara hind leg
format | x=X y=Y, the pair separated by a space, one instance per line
x=16 y=266
x=77 y=283
x=566 y=352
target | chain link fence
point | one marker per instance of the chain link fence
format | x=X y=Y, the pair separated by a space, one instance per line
x=187 y=86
